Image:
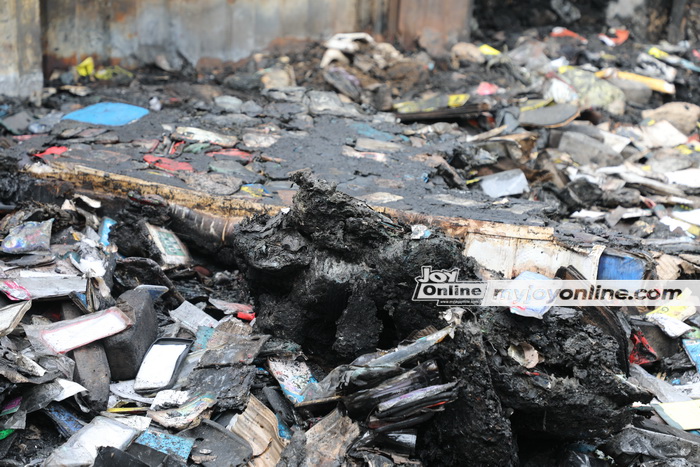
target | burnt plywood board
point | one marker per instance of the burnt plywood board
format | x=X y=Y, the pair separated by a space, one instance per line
x=499 y=246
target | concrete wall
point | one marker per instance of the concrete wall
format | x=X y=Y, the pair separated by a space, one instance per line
x=133 y=32
x=20 y=49
x=56 y=34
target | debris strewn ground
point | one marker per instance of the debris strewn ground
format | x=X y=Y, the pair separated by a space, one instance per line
x=220 y=269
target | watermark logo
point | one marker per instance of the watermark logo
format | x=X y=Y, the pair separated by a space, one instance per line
x=444 y=287
x=533 y=294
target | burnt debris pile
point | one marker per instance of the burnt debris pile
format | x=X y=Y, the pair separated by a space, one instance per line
x=327 y=360
x=281 y=261
x=332 y=273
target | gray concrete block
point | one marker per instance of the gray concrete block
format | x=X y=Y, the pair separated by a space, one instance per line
x=125 y=351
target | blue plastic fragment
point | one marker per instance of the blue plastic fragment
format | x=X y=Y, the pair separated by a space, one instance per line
x=284 y=432
x=692 y=348
x=363 y=129
x=167 y=443
x=201 y=340
x=107 y=113
x=105 y=229
x=688 y=65
x=82 y=297
x=72 y=255
x=67 y=422
x=624 y=268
